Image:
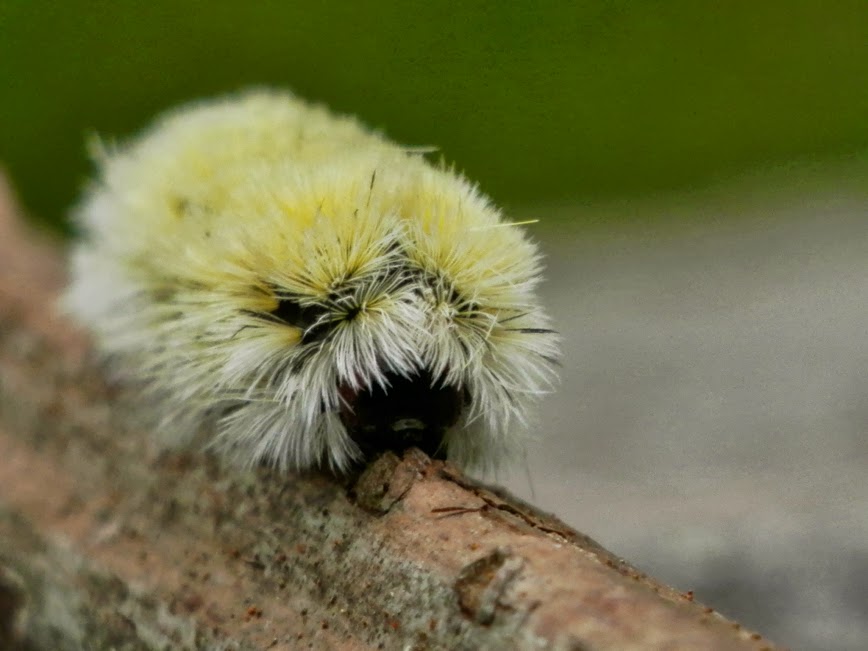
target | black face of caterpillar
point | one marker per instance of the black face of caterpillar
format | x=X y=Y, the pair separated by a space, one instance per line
x=414 y=411
x=406 y=409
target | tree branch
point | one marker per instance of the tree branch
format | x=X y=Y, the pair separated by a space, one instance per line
x=109 y=543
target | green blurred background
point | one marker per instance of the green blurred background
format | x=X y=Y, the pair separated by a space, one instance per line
x=537 y=101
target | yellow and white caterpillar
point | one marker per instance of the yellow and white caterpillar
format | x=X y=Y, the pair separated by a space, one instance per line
x=312 y=291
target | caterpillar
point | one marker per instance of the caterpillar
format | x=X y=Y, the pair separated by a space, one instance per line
x=309 y=291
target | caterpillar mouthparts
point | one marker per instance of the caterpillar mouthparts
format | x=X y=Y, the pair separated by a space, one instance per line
x=414 y=411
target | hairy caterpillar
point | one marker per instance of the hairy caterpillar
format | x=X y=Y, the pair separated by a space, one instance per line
x=310 y=290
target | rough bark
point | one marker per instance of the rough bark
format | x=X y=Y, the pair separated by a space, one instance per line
x=106 y=543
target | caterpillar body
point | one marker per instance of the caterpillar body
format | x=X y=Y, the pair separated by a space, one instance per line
x=308 y=290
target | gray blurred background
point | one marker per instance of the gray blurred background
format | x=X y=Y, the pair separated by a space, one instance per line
x=699 y=170
x=711 y=423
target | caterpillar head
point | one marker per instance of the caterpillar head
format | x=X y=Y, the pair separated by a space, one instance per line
x=402 y=314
